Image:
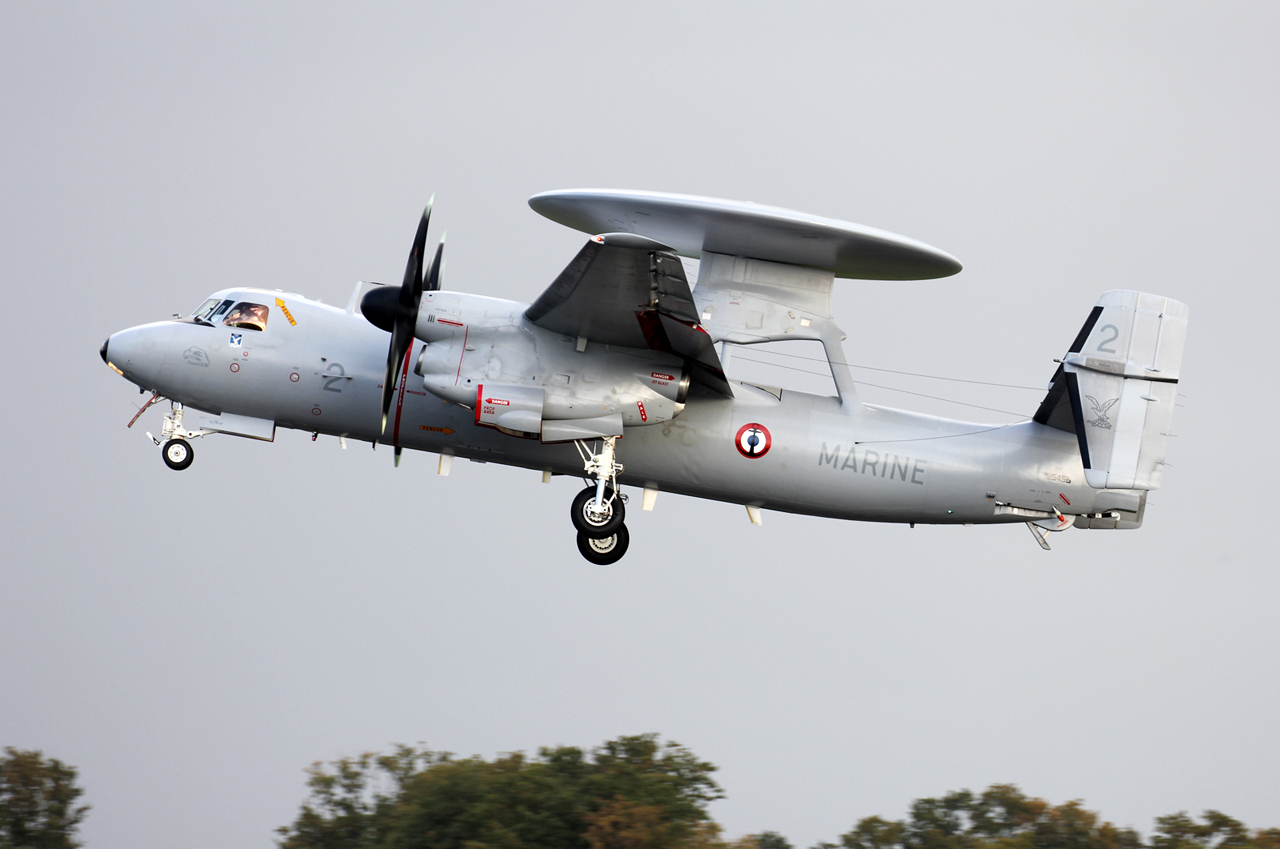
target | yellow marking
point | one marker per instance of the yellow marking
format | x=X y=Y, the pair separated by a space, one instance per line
x=286 y=312
x=437 y=429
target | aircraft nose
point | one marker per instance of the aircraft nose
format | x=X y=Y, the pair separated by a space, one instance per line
x=138 y=353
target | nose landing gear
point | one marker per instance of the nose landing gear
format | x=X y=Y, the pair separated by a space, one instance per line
x=174 y=447
x=598 y=511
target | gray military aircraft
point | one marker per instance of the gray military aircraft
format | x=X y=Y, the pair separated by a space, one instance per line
x=613 y=374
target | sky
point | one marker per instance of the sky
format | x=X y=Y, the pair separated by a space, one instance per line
x=191 y=642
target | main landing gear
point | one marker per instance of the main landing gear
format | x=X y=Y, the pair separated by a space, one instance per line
x=605 y=551
x=598 y=511
x=174 y=446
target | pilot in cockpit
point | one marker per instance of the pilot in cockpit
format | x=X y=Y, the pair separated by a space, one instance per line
x=247 y=315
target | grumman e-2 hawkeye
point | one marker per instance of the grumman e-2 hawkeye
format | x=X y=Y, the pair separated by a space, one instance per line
x=613 y=374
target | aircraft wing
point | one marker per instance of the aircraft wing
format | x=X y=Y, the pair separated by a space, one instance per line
x=630 y=291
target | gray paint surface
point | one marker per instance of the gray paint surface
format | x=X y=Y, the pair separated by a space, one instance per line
x=192 y=640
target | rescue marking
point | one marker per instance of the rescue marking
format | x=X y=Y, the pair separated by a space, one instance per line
x=286 y=312
x=444 y=430
x=753 y=440
x=643 y=416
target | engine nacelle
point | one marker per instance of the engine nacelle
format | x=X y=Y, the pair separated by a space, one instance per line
x=481 y=348
x=515 y=410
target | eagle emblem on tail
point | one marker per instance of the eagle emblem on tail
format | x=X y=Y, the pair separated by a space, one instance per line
x=1100 y=410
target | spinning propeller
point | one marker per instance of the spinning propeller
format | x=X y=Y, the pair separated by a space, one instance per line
x=396 y=311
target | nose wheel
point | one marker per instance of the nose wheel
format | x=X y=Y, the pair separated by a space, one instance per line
x=177 y=454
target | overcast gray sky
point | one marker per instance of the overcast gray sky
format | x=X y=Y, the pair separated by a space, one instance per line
x=192 y=641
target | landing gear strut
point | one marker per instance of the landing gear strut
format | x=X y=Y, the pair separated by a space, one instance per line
x=598 y=511
x=174 y=447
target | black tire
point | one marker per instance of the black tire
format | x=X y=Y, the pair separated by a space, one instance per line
x=177 y=454
x=605 y=551
x=586 y=522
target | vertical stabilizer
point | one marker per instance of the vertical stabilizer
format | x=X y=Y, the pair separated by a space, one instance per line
x=1116 y=388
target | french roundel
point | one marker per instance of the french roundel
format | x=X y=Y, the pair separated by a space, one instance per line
x=753 y=441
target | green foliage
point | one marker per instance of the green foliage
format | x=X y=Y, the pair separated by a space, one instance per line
x=1003 y=817
x=772 y=840
x=639 y=793
x=630 y=792
x=37 y=802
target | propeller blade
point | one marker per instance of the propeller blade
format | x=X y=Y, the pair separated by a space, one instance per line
x=391 y=376
x=436 y=268
x=404 y=314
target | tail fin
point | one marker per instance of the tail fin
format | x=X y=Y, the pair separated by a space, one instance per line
x=1116 y=388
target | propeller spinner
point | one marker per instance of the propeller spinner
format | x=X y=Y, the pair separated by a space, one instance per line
x=396 y=311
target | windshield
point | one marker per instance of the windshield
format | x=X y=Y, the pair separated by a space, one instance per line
x=211 y=309
x=206 y=309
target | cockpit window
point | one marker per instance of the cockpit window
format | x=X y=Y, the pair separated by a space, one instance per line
x=247 y=315
x=206 y=309
x=211 y=309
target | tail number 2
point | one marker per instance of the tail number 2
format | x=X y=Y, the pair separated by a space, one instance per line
x=1115 y=334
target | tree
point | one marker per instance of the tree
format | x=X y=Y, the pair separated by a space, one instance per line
x=772 y=840
x=1001 y=817
x=1218 y=831
x=629 y=793
x=37 y=802
x=640 y=793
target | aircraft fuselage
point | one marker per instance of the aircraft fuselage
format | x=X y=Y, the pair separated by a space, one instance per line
x=319 y=369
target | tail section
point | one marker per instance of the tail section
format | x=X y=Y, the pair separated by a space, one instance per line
x=1116 y=388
